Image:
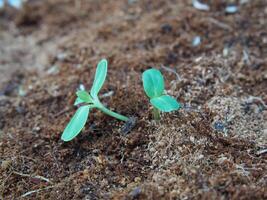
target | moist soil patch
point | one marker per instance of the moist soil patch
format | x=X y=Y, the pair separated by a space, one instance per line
x=214 y=147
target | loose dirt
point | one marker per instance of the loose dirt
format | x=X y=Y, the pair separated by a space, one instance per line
x=214 y=147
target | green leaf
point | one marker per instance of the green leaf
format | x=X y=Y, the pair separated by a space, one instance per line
x=153 y=83
x=76 y=124
x=78 y=101
x=165 y=103
x=100 y=76
x=84 y=96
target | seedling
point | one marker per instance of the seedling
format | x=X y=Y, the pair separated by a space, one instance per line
x=86 y=101
x=153 y=84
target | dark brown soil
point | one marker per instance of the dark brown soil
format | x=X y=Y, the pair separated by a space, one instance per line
x=215 y=147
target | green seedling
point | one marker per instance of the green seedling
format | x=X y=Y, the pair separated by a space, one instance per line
x=86 y=101
x=153 y=84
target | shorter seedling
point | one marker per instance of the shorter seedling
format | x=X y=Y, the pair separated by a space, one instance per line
x=86 y=101
x=153 y=84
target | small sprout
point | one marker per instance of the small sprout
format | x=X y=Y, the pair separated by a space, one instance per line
x=87 y=101
x=153 y=84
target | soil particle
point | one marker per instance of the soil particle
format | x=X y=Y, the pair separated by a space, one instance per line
x=128 y=126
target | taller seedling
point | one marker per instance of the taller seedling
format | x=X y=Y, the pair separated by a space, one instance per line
x=87 y=101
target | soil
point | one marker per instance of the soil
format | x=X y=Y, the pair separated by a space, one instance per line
x=214 y=147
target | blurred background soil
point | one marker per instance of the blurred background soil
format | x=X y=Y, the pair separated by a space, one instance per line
x=214 y=62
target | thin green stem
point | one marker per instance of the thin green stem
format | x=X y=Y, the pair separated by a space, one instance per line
x=113 y=114
x=101 y=107
x=156 y=114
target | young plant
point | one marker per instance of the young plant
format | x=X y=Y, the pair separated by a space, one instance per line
x=153 y=84
x=86 y=101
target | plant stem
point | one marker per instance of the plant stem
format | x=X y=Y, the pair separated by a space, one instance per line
x=113 y=114
x=156 y=114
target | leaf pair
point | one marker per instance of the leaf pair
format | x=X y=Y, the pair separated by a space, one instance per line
x=78 y=121
x=153 y=83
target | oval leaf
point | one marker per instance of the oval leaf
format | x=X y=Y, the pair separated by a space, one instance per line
x=165 y=103
x=76 y=124
x=153 y=83
x=84 y=96
x=100 y=76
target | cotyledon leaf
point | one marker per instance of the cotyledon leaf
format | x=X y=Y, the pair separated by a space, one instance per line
x=100 y=76
x=165 y=103
x=153 y=83
x=76 y=123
